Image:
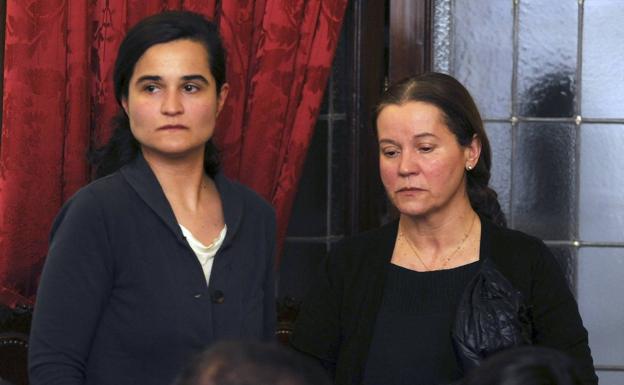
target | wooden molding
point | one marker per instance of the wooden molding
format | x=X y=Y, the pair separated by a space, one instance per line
x=410 y=26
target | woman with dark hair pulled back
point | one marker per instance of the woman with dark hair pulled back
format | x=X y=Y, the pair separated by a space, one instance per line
x=424 y=299
x=162 y=255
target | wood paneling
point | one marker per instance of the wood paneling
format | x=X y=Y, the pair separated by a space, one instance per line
x=368 y=71
x=410 y=38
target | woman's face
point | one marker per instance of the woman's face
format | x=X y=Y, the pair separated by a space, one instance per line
x=421 y=163
x=172 y=101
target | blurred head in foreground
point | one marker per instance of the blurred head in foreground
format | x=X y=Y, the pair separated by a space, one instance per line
x=251 y=363
x=527 y=365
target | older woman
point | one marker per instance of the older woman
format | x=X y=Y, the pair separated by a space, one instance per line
x=426 y=298
x=162 y=255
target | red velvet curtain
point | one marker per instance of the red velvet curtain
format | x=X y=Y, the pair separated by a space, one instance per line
x=58 y=101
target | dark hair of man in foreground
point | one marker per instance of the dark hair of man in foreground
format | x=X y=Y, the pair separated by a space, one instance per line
x=251 y=363
x=527 y=365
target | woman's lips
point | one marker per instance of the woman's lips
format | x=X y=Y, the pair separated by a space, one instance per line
x=410 y=189
x=173 y=127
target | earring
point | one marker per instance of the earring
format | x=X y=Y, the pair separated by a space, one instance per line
x=469 y=167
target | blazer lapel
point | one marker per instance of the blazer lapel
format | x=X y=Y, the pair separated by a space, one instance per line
x=232 y=204
x=140 y=176
x=233 y=208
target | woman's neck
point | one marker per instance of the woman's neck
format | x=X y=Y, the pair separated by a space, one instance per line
x=182 y=179
x=437 y=242
x=431 y=233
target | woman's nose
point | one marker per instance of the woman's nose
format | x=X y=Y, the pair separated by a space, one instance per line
x=408 y=163
x=172 y=104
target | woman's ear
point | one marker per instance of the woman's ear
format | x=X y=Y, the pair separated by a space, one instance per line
x=124 y=104
x=473 y=151
x=222 y=96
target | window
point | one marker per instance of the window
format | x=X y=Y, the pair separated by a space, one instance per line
x=547 y=78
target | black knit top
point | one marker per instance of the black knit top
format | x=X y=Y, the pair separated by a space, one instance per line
x=411 y=342
x=337 y=320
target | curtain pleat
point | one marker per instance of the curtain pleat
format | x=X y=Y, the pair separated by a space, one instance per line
x=33 y=129
x=78 y=95
x=324 y=40
x=280 y=59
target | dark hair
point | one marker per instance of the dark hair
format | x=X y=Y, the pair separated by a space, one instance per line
x=463 y=119
x=527 y=365
x=160 y=28
x=252 y=363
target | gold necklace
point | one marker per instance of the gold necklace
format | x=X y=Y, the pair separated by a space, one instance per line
x=402 y=236
x=445 y=260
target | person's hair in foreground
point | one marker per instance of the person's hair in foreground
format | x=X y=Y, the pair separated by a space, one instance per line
x=164 y=27
x=463 y=120
x=251 y=363
x=527 y=365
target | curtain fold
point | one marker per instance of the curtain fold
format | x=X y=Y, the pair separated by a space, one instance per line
x=33 y=133
x=58 y=102
x=280 y=55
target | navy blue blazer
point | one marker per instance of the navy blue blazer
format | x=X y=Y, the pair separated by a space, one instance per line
x=123 y=298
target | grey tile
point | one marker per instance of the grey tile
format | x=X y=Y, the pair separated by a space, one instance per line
x=610 y=377
x=547 y=38
x=600 y=288
x=483 y=53
x=603 y=55
x=499 y=135
x=601 y=195
x=544 y=180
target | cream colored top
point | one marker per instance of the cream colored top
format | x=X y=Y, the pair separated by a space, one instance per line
x=205 y=254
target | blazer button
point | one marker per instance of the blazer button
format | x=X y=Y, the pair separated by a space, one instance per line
x=197 y=295
x=217 y=296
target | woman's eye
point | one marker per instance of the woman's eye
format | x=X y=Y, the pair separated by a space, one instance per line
x=190 y=88
x=390 y=153
x=151 y=88
x=425 y=149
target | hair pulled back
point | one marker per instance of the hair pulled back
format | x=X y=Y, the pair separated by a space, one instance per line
x=463 y=119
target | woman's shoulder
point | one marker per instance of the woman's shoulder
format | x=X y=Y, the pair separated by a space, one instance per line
x=503 y=239
x=371 y=245
x=518 y=254
x=385 y=232
x=91 y=202
x=100 y=191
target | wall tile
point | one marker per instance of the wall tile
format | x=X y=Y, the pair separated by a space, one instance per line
x=547 y=39
x=483 y=52
x=600 y=288
x=603 y=55
x=601 y=205
x=499 y=135
x=544 y=180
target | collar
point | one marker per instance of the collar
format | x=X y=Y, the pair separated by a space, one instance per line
x=142 y=179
